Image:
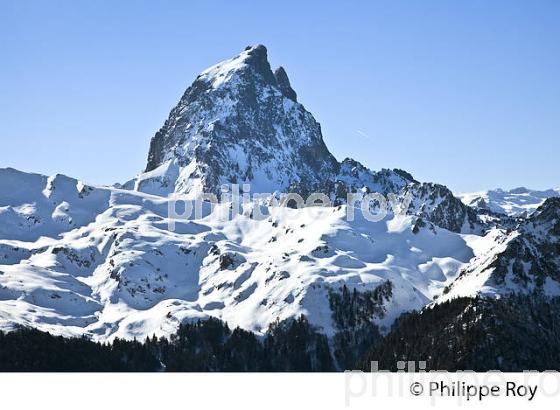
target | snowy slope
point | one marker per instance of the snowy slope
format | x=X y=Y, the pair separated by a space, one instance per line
x=119 y=271
x=103 y=262
x=515 y=202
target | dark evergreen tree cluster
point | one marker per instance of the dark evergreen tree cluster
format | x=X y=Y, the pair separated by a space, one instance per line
x=295 y=346
x=514 y=333
x=353 y=308
x=27 y=350
x=204 y=346
x=210 y=345
x=353 y=313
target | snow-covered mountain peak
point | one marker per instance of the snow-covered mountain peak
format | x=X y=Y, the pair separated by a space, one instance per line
x=253 y=58
x=239 y=122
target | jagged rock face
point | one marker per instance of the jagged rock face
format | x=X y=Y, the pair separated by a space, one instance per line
x=238 y=123
x=355 y=177
x=428 y=201
x=284 y=84
x=534 y=255
x=437 y=204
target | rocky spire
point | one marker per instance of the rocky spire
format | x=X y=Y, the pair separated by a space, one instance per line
x=284 y=83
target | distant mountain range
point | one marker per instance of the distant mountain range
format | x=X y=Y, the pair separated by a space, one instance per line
x=102 y=262
x=515 y=202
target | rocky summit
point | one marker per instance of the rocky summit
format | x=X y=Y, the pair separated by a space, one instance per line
x=239 y=122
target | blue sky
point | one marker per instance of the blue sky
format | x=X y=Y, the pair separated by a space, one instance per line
x=462 y=93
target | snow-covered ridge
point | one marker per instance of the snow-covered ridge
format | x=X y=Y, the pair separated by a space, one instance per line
x=102 y=262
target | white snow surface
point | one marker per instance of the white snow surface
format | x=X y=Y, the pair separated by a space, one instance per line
x=103 y=262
